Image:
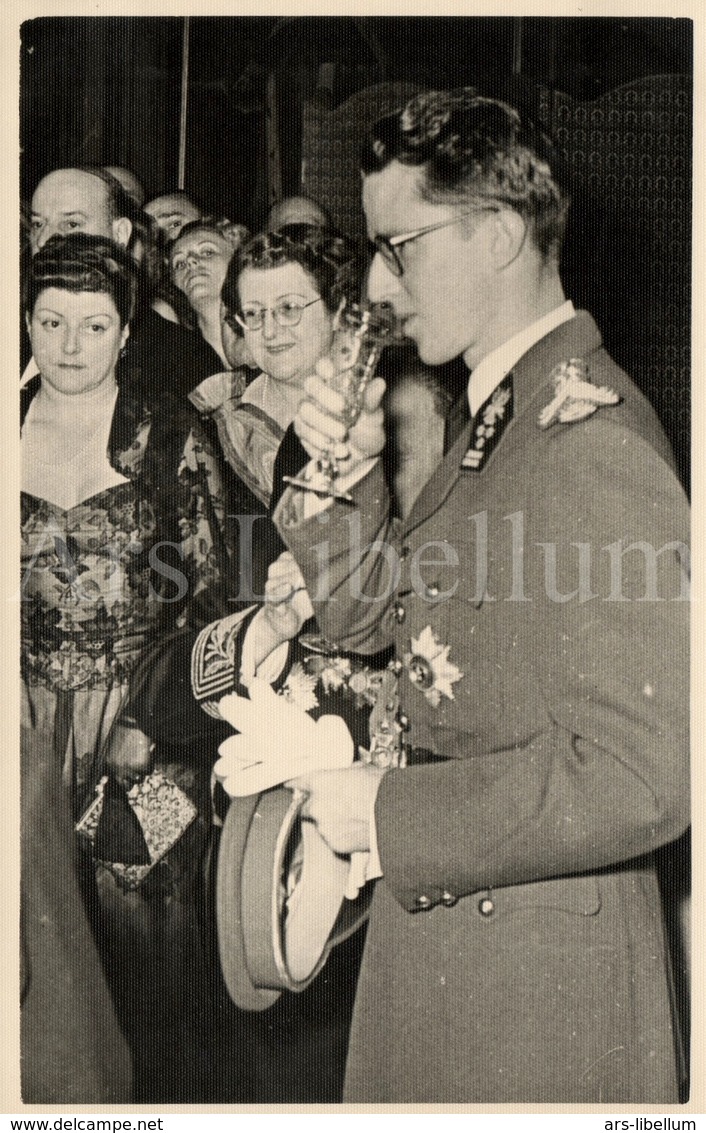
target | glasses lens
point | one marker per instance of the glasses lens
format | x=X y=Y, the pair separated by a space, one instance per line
x=288 y=314
x=253 y=318
x=389 y=254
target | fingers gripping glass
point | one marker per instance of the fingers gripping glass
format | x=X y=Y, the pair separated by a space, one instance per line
x=387 y=246
x=285 y=314
x=359 y=338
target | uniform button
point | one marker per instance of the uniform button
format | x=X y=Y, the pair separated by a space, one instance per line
x=399 y=613
x=424 y=902
x=448 y=899
x=486 y=907
x=433 y=590
x=403 y=722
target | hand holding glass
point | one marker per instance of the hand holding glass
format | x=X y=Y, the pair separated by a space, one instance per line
x=359 y=336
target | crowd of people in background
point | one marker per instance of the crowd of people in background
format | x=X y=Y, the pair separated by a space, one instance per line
x=152 y=413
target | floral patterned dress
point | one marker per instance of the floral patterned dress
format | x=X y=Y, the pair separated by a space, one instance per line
x=105 y=584
x=103 y=579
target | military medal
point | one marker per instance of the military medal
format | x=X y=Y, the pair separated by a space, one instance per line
x=429 y=668
x=493 y=418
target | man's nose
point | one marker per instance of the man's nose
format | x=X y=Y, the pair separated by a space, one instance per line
x=382 y=285
x=40 y=236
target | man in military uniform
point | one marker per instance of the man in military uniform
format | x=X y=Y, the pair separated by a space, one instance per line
x=538 y=608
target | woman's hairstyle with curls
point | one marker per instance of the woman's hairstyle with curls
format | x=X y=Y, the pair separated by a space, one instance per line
x=333 y=262
x=80 y=262
x=473 y=148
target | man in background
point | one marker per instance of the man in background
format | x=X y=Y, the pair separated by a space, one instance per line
x=85 y=199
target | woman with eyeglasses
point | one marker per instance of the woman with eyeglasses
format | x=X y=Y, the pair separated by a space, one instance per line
x=280 y=295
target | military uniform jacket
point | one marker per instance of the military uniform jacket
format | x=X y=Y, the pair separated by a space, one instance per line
x=515 y=950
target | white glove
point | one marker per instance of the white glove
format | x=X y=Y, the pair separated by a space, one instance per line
x=278 y=741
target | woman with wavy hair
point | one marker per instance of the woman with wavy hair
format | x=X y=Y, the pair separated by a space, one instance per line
x=280 y=296
x=121 y=531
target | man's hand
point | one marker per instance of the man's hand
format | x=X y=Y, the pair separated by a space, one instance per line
x=287 y=607
x=320 y=424
x=341 y=803
x=129 y=755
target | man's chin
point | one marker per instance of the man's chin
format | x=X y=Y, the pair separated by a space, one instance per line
x=431 y=350
x=424 y=348
x=432 y=354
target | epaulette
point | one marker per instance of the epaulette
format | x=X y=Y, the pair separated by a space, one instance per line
x=575 y=395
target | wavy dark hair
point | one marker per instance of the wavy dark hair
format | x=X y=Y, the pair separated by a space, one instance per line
x=80 y=262
x=473 y=148
x=333 y=262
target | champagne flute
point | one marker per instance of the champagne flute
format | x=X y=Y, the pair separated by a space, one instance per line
x=359 y=337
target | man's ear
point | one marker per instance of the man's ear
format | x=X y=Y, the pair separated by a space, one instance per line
x=124 y=337
x=122 y=231
x=509 y=235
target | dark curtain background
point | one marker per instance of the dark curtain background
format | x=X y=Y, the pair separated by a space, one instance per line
x=107 y=90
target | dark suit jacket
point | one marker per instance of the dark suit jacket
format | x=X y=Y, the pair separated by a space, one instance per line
x=534 y=966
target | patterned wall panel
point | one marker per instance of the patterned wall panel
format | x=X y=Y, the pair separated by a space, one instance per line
x=331 y=144
x=629 y=247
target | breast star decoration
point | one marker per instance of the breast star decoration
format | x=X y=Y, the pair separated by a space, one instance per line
x=429 y=668
x=575 y=396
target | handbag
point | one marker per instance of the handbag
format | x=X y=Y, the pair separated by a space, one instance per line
x=163 y=812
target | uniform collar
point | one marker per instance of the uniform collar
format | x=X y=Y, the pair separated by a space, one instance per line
x=494 y=368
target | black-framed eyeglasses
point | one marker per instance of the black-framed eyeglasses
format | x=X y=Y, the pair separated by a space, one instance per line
x=387 y=246
x=285 y=314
